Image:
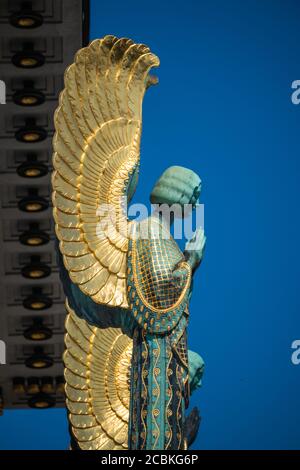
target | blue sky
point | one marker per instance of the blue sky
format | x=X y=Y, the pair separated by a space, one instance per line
x=223 y=108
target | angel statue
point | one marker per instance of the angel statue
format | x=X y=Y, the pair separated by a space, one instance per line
x=128 y=371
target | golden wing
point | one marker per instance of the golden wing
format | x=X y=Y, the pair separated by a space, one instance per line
x=96 y=150
x=97 y=373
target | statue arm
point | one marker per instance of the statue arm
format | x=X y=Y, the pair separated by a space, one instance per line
x=193 y=255
x=194 y=249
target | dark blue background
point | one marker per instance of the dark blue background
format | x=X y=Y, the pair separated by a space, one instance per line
x=223 y=108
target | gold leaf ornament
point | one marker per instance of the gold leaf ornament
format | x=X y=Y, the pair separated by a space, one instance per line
x=96 y=150
x=97 y=372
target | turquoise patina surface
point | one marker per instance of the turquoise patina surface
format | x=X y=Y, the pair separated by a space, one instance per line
x=163 y=371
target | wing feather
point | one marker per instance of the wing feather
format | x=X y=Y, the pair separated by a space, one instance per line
x=97 y=367
x=96 y=150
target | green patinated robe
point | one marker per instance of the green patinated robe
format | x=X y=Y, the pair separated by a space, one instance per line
x=158 y=294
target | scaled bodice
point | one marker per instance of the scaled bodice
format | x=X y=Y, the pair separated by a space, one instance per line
x=158 y=277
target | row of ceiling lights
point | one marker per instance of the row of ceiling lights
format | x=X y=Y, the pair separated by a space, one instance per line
x=31 y=133
x=28 y=58
x=26 y=18
x=34 y=385
x=41 y=390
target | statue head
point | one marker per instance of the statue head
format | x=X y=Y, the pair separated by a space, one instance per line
x=177 y=185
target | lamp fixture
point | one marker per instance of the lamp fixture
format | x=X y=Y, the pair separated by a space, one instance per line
x=19 y=385
x=41 y=401
x=28 y=58
x=33 y=202
x=33 y=386
x=47 y=385
x=39 y=360
x=28 y=96
x=36 y=269
x=34 y=236
x=31 y=133
x=37 y=300
x=26 y=18
x=38 y=331
x=31 y=168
